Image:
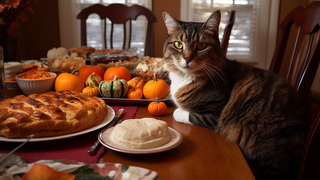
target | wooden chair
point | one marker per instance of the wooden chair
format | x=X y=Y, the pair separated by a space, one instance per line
x=303 y=24
x=227 y=32
x=119 y=14
x=305 y=54
x=310 y=160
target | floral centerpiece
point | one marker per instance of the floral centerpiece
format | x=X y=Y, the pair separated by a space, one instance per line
x=10 y=10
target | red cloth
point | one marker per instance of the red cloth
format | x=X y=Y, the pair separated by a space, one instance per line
x=75 y=148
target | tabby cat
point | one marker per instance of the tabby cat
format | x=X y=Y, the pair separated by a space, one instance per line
x=254 y=108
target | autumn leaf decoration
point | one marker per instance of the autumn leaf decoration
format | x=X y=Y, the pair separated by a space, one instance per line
x=10 y=11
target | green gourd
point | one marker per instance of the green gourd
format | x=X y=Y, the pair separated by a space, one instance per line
x=116 y=88
x=93 y=79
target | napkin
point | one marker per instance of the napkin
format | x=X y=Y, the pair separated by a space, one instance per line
x=86 y=171
x=75 y=148
x=11 y=69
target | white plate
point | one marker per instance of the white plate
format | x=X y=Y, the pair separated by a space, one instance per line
x=104 y=122
x=104 y=138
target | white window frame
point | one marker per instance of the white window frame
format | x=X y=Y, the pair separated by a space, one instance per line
x=266 y=33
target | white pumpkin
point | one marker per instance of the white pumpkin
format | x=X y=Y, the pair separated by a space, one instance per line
x=56 y=53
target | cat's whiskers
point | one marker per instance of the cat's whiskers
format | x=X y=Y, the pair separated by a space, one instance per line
x=211 y=76
x=216 y=73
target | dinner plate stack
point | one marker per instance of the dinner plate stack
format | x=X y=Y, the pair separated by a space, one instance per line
x=11 y=69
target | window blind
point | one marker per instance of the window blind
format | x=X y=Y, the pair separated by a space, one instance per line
x=242 y=37
x=254 y=32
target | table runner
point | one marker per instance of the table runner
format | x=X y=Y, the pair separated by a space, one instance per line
x=74 y=148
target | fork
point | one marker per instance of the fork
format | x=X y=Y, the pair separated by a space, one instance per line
x=95 y=147
x=3 y=159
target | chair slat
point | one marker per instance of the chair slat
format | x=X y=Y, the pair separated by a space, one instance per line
x=124 y=35
x=111 y=35
x=104 y=33
x=227 y=31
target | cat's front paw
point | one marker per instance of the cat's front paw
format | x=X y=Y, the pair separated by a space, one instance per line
x=181 y=115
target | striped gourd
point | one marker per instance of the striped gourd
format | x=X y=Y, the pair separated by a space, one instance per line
x=93 y=80
x=116 y=88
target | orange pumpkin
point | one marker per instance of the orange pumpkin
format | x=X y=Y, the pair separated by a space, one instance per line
x=86 y=70
x=67 y=81
x=121 y=72
x=135 y=93
x=137 y=82
x=157 y=108
x=156 y=88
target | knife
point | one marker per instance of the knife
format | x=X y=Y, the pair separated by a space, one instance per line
x=95 y=147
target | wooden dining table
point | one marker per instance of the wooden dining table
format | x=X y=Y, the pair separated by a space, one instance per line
x=202 y=154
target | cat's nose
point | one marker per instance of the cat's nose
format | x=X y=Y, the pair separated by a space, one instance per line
x=187 y=59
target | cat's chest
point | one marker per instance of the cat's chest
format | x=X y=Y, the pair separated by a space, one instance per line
x=177 y=82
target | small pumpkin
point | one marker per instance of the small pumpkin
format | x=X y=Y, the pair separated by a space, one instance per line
x=86 y=70
x=137 y=82
x=93 y=79
x=91 y=90
x=156 y=88
x=121 y=72
x=67 y=81
x=157 y=108
x=113 y=89
x=135 y=93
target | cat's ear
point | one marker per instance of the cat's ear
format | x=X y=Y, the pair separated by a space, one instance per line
x=170 y=22
x=212 y=23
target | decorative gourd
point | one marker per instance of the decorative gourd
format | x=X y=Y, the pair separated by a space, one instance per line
x=91 y=90
x=113 y=89
x=156 y=88
x=121 y=72
x=135 y=93
x=67 y=81
x=157 y=108
x=137 y=82
x=93 y=79
x=86 y=70
x=56 y=53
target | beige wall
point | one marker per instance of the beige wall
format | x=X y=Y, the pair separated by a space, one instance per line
x=172 y=7
x=41 y=33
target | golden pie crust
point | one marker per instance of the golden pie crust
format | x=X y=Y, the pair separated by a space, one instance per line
x=50 y=114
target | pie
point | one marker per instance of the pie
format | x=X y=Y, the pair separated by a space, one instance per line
x=149 y=67
x=50 y=114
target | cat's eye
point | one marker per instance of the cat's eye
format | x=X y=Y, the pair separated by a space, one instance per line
x=201 y=46
x=178 y=45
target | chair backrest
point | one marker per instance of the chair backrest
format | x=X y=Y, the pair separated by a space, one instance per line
x=119 y=14
x=227 y=31
x=310 y=160
x=303 y=24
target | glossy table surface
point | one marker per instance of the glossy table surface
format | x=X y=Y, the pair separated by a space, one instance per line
x=203 y=154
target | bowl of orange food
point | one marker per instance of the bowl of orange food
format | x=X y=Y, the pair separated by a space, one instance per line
x=11 y=83
x=36 y=82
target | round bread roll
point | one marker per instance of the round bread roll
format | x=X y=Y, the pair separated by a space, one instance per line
x=142 y=133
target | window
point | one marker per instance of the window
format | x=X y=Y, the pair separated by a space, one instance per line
x=253 y=35
x=70 y=25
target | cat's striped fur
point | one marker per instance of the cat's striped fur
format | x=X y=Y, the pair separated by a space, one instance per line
x=254 y=108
